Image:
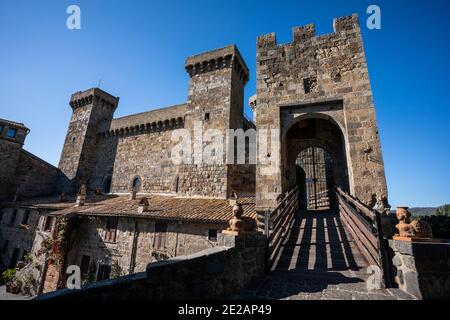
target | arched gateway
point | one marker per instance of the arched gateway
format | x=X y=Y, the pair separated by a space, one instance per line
x=324 y=169
x=315 y=160
x=315 y=93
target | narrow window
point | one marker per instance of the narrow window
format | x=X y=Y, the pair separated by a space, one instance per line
x=111 y=229
x=137 y=184
x=26 y=217
x=1 y=214
x=107 y=185
x=212 y=235
x=48 y=223
x=104 y=272
x=11 y=133
x=206 y=116
x=14 y=258
x=160 y=235
x=85 y=263
x=12 y=218
x=1 y=128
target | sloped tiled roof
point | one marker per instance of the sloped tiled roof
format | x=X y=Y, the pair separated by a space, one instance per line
x=165 y=207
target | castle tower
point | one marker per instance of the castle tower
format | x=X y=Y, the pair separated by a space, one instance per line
x=215 y=98
x=93 y=111
x=316 y=93
x=12 y=138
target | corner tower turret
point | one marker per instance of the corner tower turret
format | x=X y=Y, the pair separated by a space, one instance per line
x=93 y=111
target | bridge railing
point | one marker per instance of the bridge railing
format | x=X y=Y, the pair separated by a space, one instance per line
x=277 y=225
x=364 y=224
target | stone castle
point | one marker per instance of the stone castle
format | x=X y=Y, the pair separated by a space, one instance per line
x=120 y=202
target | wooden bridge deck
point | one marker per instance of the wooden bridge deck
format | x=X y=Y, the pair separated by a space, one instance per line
x=319 y=260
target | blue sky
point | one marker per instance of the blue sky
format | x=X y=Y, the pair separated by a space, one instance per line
x=138 y=49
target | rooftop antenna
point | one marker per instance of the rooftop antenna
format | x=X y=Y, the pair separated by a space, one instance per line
x=99 y=82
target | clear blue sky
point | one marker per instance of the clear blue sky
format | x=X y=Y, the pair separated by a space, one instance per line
x=138 y=49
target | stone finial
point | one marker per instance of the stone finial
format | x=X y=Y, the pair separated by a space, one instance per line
x=233 y=199
x=133 y=193
x=382 y=205
x=82 y=190
x=252 y=102
x=240 y=223
x=143 y=205
x=414 y=229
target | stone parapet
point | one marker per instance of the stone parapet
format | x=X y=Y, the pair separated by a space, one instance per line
x=422 y=269
x=210 y=274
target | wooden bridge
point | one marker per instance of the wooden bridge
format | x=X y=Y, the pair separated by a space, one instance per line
x=337 y=253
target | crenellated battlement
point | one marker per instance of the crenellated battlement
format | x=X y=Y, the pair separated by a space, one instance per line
x=308 y=32
x=95 y=95
x=227 y=57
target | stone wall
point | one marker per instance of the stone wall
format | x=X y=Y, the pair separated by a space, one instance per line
x=17 y=236
x=35 y=176
x=306 y=74
x=10 y=151
x=211 y=274
x=422 y=269
x=134 y=245
x=99 y=149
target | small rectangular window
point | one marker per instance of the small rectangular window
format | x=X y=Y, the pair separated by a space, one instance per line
x=206 y=117
x=159 y=242
x=85 y=263
x=1 y=128
x=48 y=223
x=212 y=235
x=11 y=133
x=111 y=229
x=26 y=217
x=104 y=272
x=12 y=217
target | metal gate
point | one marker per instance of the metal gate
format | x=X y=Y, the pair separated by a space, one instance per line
x=318 y=167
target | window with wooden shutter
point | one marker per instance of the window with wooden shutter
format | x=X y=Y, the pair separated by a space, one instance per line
x=160 y=235
x=111 y=229
x=48 y=223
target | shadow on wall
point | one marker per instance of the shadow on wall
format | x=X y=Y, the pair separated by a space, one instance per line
x=213 y=273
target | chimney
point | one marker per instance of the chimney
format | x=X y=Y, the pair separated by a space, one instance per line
x=233 y=199
x=133 y=193
x=81 y=196
x=143 y=205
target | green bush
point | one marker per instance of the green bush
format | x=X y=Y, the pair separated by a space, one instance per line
x=8 y=275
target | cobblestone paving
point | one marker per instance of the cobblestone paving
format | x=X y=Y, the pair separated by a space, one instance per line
x=319 y=261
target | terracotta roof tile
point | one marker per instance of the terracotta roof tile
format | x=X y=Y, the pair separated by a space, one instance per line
x=165 y=207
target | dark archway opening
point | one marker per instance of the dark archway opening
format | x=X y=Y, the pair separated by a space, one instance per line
x=315 y=160
x=136 y=184
x=107 y=185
